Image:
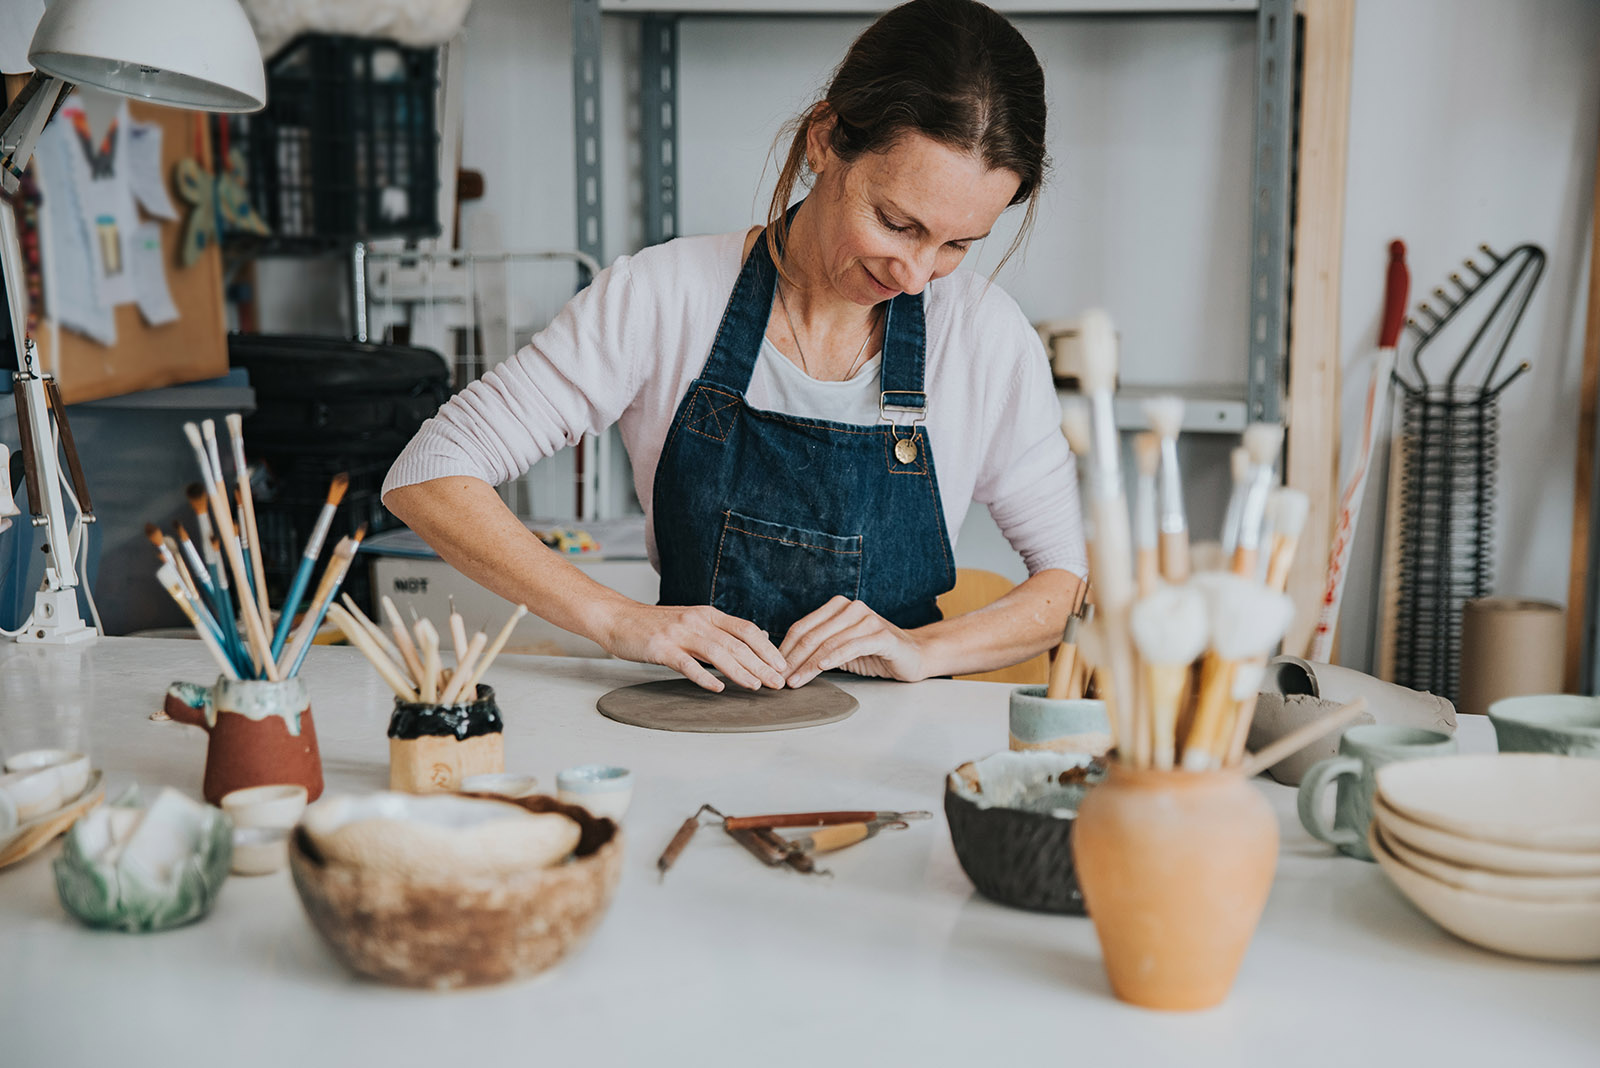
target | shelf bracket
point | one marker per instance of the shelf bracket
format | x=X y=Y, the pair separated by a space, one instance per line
x=658 y=108
x=586 y=125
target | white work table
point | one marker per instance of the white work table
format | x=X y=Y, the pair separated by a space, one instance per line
x=894 y=961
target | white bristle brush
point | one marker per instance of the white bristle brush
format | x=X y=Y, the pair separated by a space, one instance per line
x=1262 y=441
x=1147 y=563
x=1239 y=474
x=1171 y=628
x=1289 y=509
x=1247 y=621
x=1166 y=419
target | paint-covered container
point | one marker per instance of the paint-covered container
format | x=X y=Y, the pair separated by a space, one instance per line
x=433 y=747
x=261 y=733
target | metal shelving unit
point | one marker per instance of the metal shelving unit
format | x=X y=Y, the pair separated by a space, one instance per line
x=1272 y=189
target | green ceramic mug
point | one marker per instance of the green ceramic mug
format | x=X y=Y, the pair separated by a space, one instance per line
x=1362 y=751
x=1548 y=723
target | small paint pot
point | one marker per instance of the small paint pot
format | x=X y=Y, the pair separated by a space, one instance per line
x=71 y=769
x=259 y=850
x=501 y=784
x=274 y=807
x=1057 y=726
x=603 y=789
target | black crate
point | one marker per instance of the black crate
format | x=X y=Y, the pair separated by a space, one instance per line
x=348 y=146
x=289 y=499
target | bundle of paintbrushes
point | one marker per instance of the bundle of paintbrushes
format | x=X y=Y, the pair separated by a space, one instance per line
x=1177 y=653
x=221 y=585
x=410 y=660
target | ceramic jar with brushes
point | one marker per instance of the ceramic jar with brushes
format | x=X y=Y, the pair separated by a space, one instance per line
x=446 y=727
x=261 y=733
x=1175 y=852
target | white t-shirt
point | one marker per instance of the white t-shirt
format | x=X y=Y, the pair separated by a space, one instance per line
x=625 y=349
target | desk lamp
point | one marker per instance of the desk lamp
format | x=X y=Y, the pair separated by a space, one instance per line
x=196 y=54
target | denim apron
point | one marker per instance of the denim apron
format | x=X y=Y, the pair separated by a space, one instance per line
x=766 y=516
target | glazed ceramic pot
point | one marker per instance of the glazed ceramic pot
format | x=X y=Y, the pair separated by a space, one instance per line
x=1175 y=868
x=434 y=748
x=1059 y=726
x=1545 y=723
x=261 y=733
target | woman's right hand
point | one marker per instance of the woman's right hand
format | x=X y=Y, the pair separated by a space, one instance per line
x=686 y=638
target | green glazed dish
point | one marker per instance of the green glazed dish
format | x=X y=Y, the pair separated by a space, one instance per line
x=1548 y=723
x=128 y=868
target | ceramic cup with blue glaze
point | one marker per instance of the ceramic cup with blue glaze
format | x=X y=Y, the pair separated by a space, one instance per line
x=1059 y=726
x=601 y=788
x=1362 y=751
x=1548 y=723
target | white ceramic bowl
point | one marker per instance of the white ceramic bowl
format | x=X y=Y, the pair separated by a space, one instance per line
x=276 y=807
x=502 y=783
x=71 y=769
x=1553 y=930
x=1472 y=853
x=1520 y=887
x=1520 y=799
x=260 y=850
x=603 y=789
x=33 y=793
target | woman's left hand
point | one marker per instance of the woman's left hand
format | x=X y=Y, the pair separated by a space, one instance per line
x=848 y=636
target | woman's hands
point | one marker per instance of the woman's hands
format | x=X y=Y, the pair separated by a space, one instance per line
x=686 y=638
x=849 y=636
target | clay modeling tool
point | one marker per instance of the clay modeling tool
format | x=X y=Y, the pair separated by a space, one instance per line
x=343 y=555
x=787 y=853
x=308 y=561
x=818 y=819
x=362 y=639
x=374 y=630
x=680 y=840
x=458 y=633
x=1146 y=520
x=247 y=508
x=498 y=644
x=763 y=850
x=402 y=641
x=168 y=575
x=457 y=690
x=1166 y=419
x=1171 y=629
x=428 y=643
x=842 y=835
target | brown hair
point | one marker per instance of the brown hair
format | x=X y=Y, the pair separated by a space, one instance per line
x=954 y=71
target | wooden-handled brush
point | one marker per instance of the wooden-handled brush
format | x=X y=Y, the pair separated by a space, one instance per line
x=247 y=508
x=1247 y=620
x=1171 y=628
x=308 y=561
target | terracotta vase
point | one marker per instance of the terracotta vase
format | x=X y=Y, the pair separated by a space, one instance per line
x=1175 y=868
x=261 y=733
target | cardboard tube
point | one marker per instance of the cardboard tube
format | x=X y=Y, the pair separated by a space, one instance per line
x=1509 y=647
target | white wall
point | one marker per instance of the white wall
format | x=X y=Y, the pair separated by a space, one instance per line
x=1470 y=120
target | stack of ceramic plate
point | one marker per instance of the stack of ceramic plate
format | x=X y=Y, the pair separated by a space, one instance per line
x=1500 y=850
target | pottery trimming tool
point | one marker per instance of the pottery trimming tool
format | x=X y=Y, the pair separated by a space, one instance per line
x=819 y=819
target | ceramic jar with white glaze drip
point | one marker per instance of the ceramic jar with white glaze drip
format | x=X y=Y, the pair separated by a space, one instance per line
x=261 y=733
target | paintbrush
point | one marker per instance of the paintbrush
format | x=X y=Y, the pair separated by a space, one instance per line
x=1066 y=657
x=1239 y=470
x=498 y=644
x=361 y=638
x=168 y=576
x=1147 y=562
x=190 y=591
x=403 y=642
x=1262 y=441
x=456 y=691
x=255 y=628
x=1171 y=628
x=1247 y=620
x=247 y=509
x=1166 y=419
x=344 y=555
x=308 y=561
x=1288 y=509
x=1112 y=561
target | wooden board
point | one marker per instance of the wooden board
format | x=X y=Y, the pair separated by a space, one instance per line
x=1582 y=497
x=680 y=705
x=192 y=348
x=1312 y=414
x=28 y=838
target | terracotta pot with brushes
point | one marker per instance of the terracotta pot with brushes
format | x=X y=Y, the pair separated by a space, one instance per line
x=1175 y=868
x=261 y=733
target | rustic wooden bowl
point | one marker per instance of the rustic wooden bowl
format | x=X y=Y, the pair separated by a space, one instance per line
x=451 y=931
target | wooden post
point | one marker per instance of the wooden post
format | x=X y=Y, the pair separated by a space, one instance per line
x=1582 y=500
x=1312 y=410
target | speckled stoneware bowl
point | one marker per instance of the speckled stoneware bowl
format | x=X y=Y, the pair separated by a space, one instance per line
x=1011 y=817
x=444 y=929
x=131 y=868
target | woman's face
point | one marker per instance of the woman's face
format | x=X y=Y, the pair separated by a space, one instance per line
x=891 y=221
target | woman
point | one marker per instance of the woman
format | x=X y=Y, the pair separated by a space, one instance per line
x=783 y=394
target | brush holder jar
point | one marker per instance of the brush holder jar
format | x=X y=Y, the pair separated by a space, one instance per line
x=433 y=747
x=261 y=733
x=1175 y=868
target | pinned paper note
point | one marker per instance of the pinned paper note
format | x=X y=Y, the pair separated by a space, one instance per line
x=144 y=172
x=149 y=271
x=73 y=292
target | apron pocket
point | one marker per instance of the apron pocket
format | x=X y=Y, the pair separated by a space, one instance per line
x=772 y=574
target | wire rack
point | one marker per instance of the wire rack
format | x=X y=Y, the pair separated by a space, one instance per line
x=478 y=309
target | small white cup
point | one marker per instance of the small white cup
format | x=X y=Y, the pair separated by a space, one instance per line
x=502 y=783
x=276 y=807
x=259 y=850
x=603 y=789
x=8 y=813
x=71 y=770
x=33 y=793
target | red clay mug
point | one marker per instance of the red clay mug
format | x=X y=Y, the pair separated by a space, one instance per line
x=261 y=733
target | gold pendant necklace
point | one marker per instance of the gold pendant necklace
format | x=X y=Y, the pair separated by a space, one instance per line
x=872 y=328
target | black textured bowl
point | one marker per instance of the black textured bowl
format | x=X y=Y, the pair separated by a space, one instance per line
x=1013 y=856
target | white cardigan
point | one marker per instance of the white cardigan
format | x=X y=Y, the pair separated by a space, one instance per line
x=625 y=350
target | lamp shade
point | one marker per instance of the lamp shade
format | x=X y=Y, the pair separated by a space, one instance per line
x=199 y=54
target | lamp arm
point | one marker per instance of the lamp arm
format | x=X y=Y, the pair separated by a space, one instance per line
x=22 y=122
